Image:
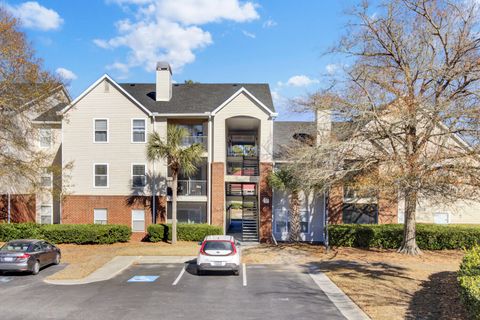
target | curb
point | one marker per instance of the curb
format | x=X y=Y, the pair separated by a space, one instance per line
x=344 y=304
x=117 y=265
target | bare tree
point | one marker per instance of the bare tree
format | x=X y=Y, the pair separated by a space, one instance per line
x=24 y=91
x=408 y=101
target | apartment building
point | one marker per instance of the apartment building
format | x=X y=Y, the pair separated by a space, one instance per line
x=19 y=201
x=105 y=133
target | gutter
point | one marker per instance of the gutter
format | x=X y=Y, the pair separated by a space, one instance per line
x=182 y=115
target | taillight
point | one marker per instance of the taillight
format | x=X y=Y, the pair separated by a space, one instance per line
x=24 y=256
x=234 y=251
x=202 y=250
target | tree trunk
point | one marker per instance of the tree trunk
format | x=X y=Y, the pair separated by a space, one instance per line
x=294 y=217
x=174 y=206
x=409 y=244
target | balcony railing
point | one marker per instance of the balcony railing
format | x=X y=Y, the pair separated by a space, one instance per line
x=243 y=167
x=189 y=188
x=189 y=140
x=234 y=152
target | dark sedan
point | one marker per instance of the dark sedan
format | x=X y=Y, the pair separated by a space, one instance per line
x=28 y=255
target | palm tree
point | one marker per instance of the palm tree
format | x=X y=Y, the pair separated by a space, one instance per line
x=179 y=157
x=286 y=180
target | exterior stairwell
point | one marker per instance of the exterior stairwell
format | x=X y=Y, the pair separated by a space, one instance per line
x=250 y=220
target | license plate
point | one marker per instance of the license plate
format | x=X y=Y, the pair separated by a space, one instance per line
x=218 y=263
x=8 y=259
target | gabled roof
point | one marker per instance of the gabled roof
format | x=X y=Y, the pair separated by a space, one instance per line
x=198 y=97
x=96 y=83
x=52 y=115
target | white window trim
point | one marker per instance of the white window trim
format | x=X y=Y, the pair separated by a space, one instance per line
x=144 y=220
x=108 y=176
x=131 y=130
x=100 y=209
x=108 y=130
x=40 y=138
x=51 y=212
x=441 y=212
x=131 y=174
x=50 y=174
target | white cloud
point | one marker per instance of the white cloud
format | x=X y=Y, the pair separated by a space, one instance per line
x=249 y=34
x=170 y=30
x=269 y=23
x=299 y=81
x=331 y=68
x=34 y=16
x=66 y=74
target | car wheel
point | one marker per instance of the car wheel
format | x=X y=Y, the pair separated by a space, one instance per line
x=57 y=259
x=236 y=272
x=36 y=268
x=200 y=272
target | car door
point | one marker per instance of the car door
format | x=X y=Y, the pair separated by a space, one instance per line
x=39 y=252
x=49 y=252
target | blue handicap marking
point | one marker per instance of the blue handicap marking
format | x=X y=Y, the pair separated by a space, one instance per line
x=5 y=279
x=143 y=279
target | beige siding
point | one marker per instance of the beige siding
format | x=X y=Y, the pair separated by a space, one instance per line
x=460 y=212
x=119 y=153
x=242 y=105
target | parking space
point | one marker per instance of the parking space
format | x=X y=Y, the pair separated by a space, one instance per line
x=15 y=279
x=174 y=291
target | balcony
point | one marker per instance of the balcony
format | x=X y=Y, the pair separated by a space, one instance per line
x=189 y=188
x=189 y=140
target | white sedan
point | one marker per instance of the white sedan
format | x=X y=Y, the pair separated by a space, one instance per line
x=218 y=253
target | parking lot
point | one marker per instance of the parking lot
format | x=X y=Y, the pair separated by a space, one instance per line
x=174 y=292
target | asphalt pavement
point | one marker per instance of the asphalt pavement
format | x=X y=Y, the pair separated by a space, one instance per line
x=175 y=292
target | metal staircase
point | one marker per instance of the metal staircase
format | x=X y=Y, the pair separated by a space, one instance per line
x=250 y=219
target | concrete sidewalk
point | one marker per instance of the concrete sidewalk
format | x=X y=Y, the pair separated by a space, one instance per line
x=119 y=264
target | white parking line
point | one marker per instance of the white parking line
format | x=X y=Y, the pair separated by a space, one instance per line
x=244 y=273
x=179 y=276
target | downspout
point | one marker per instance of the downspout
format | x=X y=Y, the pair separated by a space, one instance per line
x=325 y=223
x=154 y=189
x=209 y=169
x=8 y=207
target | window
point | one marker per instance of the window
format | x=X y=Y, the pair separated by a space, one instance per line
x=101 y=130
x=360 y=213
x=46 y=214
x=138 y=130
x=45 y=138
x=101 y=175
x=46 y=179
x=282 y=221
x=189 y=212
x=441 y=218
x=139 y=178
x=138 y=220
x=100 y=216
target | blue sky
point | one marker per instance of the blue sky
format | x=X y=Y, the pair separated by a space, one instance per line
x=278 y=42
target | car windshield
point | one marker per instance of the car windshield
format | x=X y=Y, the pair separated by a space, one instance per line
x=218 y=245
x=15 y=246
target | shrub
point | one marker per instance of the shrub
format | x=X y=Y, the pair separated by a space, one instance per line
x=469 y=281
x=66 y=233
x=10 y=231
x=185 y=231
x=389 y=236
x=85 y=233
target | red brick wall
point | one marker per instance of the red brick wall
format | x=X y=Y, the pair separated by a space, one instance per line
x=79 y=209
x=218 y=193
x=22 y=208
x=335 y=205
x=387 y=209
x=265 y=227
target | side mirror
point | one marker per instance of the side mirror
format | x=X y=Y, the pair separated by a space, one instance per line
x=238 y=244
x=200 y=243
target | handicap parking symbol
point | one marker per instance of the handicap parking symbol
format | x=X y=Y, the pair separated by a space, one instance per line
x=143 y=279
